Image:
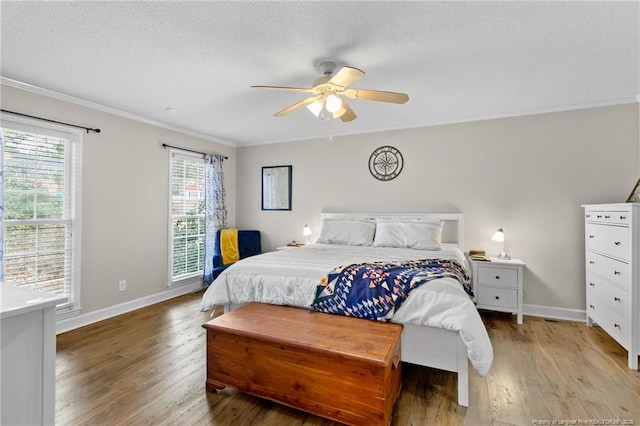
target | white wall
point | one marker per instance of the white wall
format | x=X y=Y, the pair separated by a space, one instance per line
x=124 y=198
x=527 y=174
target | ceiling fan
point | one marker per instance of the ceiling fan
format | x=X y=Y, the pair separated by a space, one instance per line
x=327 y=90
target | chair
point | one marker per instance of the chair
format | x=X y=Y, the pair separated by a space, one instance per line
x=249 y=244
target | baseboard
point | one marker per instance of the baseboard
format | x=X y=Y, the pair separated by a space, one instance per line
x=112 y=311
x=555 y=313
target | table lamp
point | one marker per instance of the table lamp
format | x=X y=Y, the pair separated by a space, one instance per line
x=306 y=232
x=499 y=237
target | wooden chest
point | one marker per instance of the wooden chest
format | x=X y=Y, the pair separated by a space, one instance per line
x=341 y=368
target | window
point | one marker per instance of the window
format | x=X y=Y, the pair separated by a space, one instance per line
x=41 y=218
x=187 y=211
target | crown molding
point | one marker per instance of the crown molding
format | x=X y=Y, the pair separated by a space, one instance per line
x=469 y=119
x=99 y=107
x=103 y=108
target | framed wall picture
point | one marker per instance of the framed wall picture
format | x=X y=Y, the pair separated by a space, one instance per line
x=276 y=187
x=634 y=197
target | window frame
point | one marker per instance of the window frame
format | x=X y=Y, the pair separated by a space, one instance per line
x=73 y=190
x=195 y=277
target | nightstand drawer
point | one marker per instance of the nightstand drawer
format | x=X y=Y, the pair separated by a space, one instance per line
x=499 y=297
x=501 y=277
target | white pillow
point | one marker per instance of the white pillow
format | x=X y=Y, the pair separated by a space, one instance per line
x=349 y=232
x=407 y=233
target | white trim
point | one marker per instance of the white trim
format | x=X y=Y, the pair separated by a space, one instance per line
x=73 y=188
x=178 y=154
x=555 y=313
x=77 y=101
x=549 y=110
x=99 y=107
x=122 y=308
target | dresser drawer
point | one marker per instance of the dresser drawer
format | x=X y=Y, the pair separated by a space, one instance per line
x=619 y=217
x=609 y=239
x=615 y=297
x=612 y=322
x=498 y=297
x=611 y=269
x=501 y=277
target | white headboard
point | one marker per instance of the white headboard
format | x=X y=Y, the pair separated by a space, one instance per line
x=453 y=231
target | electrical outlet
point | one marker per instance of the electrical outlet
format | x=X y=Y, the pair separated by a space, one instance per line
x=122 y=285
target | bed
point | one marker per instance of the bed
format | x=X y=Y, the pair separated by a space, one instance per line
x=442 y=328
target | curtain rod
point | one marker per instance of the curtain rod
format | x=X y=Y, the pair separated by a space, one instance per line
x=88 y=129
x=164 y=145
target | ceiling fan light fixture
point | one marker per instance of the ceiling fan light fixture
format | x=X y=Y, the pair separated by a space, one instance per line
x=316 y=107
x=325 y=99
x=339 y=112
x=333 y=103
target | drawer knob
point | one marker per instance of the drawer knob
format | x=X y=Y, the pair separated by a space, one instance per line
x=592 y=236
x=606 y=216
x=617 y=243
x=616 y=272
x=497 y=297
x=617 y=299
x=599 y=216
x=617 y=326
x=591 y=262
x=497 y=277
x=592 y=284
x=592 y=307
x=588 y=216
x=623 y=217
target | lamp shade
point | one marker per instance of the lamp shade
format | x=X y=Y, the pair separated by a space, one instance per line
x=498 y=236
x=316 y=107
x=333 y=103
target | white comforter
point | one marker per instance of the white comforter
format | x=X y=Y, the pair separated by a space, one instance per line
x=290 y=277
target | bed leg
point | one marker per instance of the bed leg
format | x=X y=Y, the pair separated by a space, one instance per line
x=463 y=375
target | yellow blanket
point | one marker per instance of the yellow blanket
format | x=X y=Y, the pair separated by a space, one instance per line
x=229 y=245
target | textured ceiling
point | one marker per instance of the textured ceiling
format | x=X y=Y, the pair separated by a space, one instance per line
x=458 y=61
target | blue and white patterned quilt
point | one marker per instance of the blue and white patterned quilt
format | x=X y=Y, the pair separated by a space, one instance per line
x=375 y=290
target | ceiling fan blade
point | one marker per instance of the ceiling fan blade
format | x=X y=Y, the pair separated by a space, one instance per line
x=295 y=106
x=346 y=76
x=293 y=89
x=348 y=114
x=376 y=95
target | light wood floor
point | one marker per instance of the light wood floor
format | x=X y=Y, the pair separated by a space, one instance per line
x=148 y=368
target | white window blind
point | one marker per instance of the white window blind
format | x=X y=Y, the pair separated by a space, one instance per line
x=40 y=209
x=187 y=211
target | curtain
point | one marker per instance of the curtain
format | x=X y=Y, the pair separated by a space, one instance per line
x=1 y=209
x=215 y=209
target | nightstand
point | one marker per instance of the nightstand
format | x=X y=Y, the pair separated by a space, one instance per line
x=289 y=246
x=498 y=285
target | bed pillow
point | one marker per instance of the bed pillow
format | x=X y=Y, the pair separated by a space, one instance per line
x=406 y=233
x=349 y=232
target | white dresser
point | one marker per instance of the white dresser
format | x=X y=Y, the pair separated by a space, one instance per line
x=612 y=259
x=27 y=356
